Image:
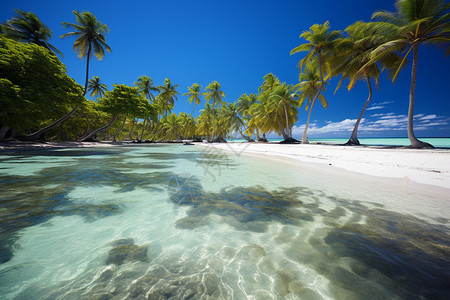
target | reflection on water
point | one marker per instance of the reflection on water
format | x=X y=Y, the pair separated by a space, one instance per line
x=171 y=236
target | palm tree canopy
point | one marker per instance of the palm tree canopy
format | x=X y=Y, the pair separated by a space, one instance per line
x=214 y=93
x=27 y=27
x=97 y=88
x=89 y=32
x=146 y=86
x=320 y=41
x=194 y=93
x=354 y=53
x=415 y=22
x=167 y=96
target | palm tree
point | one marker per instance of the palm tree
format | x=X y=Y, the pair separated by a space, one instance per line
x=320 y=46
x=194 y=95
x=415 y=22
x=231 y=116
x=282 y=106
x=90 y=35
x=167 y=96
x=214 y=93
x=146 y=86
x=310 y=87
x=187 y=124
x=204 y=121
x=26 y=27
x=244 y=102
x=97 y=89
x=354 y=55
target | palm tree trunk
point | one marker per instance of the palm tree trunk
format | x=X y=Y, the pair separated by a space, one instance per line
x=98 y=130
x=248 y=139
x=305 y=136
x=154 y=136
x=283 y=133
x=287 y=121
x=131 y=131
x=36 y=135
x=192 y=110
x=214 y=123
x=354 y=138
x=415 y=143
x=118 y=131
x=143 y=128
x=87 y=69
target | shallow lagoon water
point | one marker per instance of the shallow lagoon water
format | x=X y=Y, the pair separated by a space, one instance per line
x=179 y=222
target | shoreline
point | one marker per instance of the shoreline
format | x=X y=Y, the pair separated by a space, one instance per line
x=430 y=167
x=410 y=166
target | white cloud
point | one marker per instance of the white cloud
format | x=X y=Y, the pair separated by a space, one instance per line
x=375 y=107
x=428 y=117
x=376 y=123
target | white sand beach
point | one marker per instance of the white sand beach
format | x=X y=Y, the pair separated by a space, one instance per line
x=431 y=167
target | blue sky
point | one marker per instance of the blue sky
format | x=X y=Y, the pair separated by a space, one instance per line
x=237 y=43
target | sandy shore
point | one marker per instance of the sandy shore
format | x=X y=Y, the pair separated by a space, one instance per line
x=430 y=167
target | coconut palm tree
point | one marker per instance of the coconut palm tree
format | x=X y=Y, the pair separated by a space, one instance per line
x=146 y=86
x=321 y=45
x=282 y=106
x=194 y=93
x=27 y=27
x=204 y=121
x=214 y=93
x=188 y=126
x=97 y=89
x=414 y=22
x=244 y=102
x=90 y=35
x=352 y=60
x=231 y=116
x=310 y=87
x=167 y=96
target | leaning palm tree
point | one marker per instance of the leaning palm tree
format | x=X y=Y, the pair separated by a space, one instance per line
x=27 y=27
x=321 y=45
x=214 y=93
x=352 y=60
x=146 y=86
x=310 y=87
x=231 y=116
x=415 y=22
x=194 y=93
x=90 y=35
x=97 y=88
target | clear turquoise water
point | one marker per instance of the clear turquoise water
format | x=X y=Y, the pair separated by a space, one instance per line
x=185 y=222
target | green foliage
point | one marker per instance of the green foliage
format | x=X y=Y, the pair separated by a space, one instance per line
x=123 y=99
x=34 y=86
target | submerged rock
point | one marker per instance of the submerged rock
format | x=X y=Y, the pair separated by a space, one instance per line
x=126 y=251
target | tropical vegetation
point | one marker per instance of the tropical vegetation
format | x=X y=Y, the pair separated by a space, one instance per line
x=40 y=101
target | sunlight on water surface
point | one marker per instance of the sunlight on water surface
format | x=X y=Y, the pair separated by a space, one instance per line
x=178 y=222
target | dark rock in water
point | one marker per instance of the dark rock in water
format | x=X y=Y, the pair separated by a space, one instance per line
x=122 y=242
x=126 y=253
x=185 y=190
